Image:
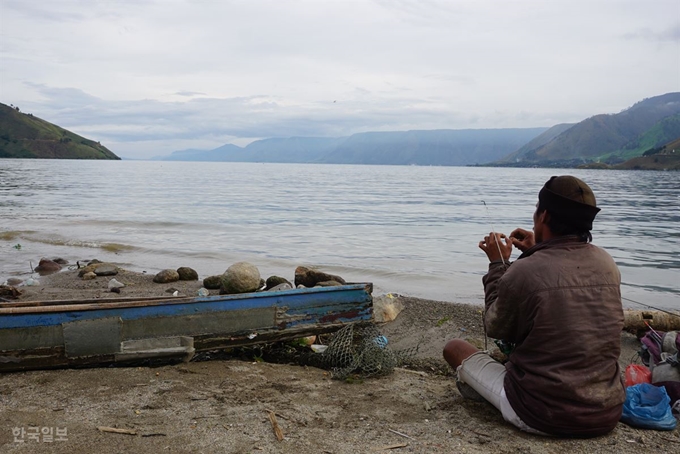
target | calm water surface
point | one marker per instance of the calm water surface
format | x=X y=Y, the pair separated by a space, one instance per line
x=409 y=230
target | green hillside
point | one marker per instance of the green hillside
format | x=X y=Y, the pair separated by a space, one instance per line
x=26 y=136
x=607 y=138
x=538 y=142
x=663 y=157
x=657 y=162
x=660 y=134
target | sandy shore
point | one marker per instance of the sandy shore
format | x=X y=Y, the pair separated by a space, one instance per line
x=223 y=405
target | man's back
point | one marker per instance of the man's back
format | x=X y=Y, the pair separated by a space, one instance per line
x=562 y=299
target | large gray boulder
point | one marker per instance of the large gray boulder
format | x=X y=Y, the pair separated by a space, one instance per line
x=241 y=277
x=310 y=278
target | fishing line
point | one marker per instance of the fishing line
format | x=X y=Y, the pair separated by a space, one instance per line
x=651 y=307
x=493 y=230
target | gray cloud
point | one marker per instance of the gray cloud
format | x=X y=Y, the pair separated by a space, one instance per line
x=671 y=34
x=146 y=76
x=209 y=120
x=189 y=93
x=41 y=11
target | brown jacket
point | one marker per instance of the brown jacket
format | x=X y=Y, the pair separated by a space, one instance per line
x=560 y=303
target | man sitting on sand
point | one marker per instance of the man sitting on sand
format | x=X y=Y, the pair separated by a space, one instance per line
x=560 y=305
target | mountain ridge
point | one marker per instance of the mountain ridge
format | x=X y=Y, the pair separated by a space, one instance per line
x=610 y=138
x=416 y=147
x=600 y=141
x=27 y=136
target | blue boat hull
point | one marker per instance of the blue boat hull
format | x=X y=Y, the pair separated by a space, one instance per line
x=99 y=332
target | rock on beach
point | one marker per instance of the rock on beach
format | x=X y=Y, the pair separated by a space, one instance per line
x=311 y=278
x=99 y=268
x=47 y=266
x=241 y=277
x=9 y=292
x=14 y=281
x=276 y=281
x=212 y=282
x=165 y=276
x=106 y=269
x=187 y=274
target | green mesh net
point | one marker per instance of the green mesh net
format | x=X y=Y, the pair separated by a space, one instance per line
x=361 y=350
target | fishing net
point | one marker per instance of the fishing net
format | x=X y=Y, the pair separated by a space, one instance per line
x=361 y=350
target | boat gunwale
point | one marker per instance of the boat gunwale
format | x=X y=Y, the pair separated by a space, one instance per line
x=38 y=307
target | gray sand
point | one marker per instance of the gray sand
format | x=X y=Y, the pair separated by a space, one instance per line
x=222 y=405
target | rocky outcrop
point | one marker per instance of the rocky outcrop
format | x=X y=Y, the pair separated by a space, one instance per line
x=311 y=278
x=241 y=277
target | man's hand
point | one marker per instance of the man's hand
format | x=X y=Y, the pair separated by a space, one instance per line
x=522 y=239
x=495 y=249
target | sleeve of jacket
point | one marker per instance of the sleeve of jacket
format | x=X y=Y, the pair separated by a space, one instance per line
x=501 y=314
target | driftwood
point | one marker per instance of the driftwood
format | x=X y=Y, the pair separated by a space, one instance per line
x=636 y=321
x=394 y=446
x=115 y=430
x=401 y=434
x=275 y=425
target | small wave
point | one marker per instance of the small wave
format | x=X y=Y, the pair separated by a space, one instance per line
x=117 y=247
x=59 y=241
x=122 y=224
x=11 y=235
x=655 y=288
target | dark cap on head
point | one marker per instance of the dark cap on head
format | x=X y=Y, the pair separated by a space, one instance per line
x=569 y=200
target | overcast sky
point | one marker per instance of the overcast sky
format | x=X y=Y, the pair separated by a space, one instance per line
x=150 y=77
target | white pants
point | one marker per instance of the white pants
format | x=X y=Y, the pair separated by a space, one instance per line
x=485 y=375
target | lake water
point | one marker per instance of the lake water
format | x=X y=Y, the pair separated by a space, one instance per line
x=409 y=230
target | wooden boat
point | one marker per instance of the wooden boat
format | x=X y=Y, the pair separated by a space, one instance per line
x=49 y=334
